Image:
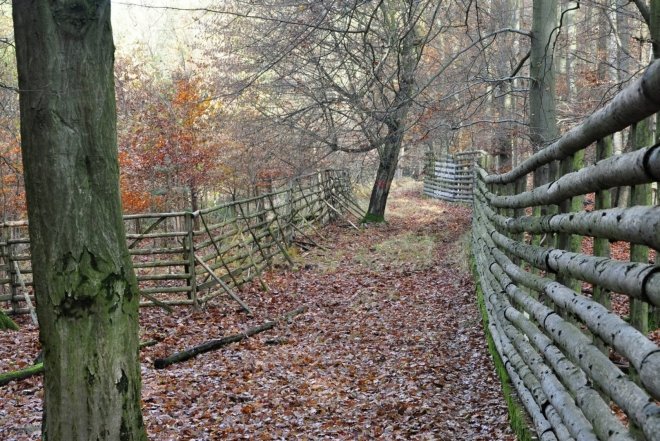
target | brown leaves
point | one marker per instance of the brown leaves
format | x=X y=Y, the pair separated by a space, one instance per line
x=389 y=349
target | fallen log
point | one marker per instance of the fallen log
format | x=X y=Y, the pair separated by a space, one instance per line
x=21 y=374
x=38 y=368
x=161 y=363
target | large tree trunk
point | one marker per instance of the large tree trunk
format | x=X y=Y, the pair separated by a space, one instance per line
x=87 y=296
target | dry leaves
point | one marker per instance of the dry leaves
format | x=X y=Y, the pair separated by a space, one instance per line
x=391 y=347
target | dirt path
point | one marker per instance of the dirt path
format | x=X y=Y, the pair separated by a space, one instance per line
x=391 y=348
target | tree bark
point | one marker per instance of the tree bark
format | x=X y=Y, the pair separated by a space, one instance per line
x=396 y=121
x=86 y=290
x=389 y=158
x=542 y=106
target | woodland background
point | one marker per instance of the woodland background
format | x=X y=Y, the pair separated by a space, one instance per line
x=221 y=100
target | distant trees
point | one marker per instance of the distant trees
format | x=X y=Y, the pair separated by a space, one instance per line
x=12 y=192
x=86 y=290
x=347 y=76
x=353 y=78
x=170 y=140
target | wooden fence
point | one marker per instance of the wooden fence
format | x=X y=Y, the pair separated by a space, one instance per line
x=450 y=177
x=570 y=283
x=187 y=258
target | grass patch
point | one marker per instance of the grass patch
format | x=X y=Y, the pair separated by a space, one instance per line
x=406 y=250
x=372 y=219
x=458 y=255
x=518 y=419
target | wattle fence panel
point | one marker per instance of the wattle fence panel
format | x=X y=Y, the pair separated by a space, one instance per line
x=570 y=280
x=450 y=177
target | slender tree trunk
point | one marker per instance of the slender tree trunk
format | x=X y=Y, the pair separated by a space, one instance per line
x=389 y=158
x=603 y=46
x=389 y=152
x=87 y=296
x=654 y=27
x=571 y=49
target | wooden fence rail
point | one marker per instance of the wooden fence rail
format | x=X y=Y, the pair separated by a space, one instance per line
x=571 y=283
x=450 y=177
x=186 y=258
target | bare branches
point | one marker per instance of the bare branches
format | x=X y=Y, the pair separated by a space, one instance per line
x=279 y=19
x=520 y=64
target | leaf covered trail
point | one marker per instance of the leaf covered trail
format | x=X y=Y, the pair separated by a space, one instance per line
x=391 y=347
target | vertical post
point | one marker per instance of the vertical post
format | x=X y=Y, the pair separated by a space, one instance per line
x=288 y=203
x=641 y=136
x=565 y=241
x=519 y=186
x=13 y=276
x=539 y=177
x=189 y=256
x=428 y=172
x=603 y=200
x=328 y=195
x=640 y=195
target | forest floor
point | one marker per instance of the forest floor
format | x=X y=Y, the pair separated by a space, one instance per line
x=391 y=346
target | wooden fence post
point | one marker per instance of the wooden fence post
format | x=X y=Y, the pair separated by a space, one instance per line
x=566 y=241
x=189 y=256
x=13 y=276
x=602 y=201
x=641 y=136
x=5 y=269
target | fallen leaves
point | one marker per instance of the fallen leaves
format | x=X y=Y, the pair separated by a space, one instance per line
x=391 y=348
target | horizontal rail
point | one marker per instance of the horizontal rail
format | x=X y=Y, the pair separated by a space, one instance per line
x=237 y=242
x=571 y=283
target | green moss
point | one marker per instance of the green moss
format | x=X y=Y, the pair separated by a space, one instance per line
x=372 y=218
x=7 y=323
x=654 y=318
x=6 y=377
x=518 y=419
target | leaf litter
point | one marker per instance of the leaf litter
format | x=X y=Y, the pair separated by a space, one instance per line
x=391 y=347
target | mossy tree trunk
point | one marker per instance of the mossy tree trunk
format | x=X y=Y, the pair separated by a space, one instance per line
x=86 y=291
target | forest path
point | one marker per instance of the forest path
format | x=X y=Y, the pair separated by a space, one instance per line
x=391 y=347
